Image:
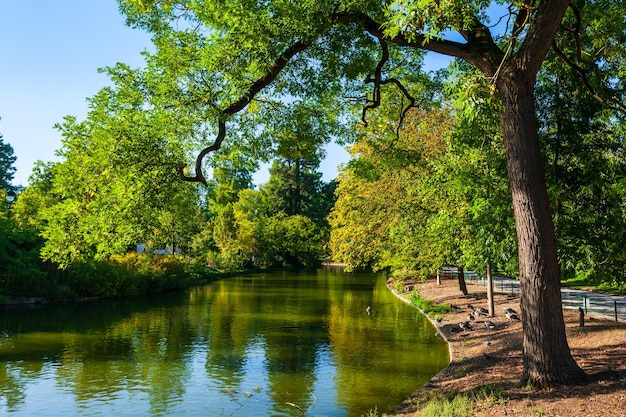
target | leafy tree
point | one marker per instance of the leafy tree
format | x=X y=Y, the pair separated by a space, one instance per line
x=117 y=184
x=446 y=198
x=228 y=242
x=29 y=209
x=585 y=165
x=226 y=53
x=20 y=267
x=472 y=174
x=232 y=173
x=381 y=215
x=272 y=236
x=7 y=159
x=291 y=240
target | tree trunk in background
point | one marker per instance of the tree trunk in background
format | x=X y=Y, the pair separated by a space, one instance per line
x=461 y=277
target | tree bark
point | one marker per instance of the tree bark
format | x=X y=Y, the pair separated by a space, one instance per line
x=461 y=278
x=545 y=363
x=490 y=302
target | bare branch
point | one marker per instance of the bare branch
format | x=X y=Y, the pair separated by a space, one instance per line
x=378 y=81
x=217 y=144
x=266 y=79
x=375 y=102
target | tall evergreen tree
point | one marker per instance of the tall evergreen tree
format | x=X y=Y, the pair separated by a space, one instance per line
x=7 y=170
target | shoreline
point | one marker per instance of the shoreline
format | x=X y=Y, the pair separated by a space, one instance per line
x=407 y=404
x=485 y=365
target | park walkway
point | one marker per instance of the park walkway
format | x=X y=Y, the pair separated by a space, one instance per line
x=607 y=305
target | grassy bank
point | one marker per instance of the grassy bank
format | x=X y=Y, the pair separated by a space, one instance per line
x=482 y=378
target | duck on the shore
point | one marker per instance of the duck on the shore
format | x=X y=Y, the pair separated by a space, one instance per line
x=466 y=325
x=512 y=316
x=509 y=310
x=490 y=325
x=455 y=329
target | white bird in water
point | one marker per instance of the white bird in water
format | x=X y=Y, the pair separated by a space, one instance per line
x=369 y=310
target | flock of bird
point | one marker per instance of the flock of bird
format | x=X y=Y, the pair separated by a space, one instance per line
x=480 y=314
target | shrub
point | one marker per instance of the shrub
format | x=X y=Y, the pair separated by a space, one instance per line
x=428 y=306
x=130 y=274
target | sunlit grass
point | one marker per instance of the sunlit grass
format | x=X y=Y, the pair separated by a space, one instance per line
x=433 y=404
x=582 y=282
x=458 y=406
x=428 y=306
x=578 y=282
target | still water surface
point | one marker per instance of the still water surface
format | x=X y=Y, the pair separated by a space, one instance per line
x=280 y=344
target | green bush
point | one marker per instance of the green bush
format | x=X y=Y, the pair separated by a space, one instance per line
x=130 y=274
x=428 y=306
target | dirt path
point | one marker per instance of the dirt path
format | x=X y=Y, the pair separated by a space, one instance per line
x=487 y=363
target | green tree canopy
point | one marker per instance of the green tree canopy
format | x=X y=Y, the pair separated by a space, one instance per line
x=117 y=183
x=7 y=159
x=213 y=59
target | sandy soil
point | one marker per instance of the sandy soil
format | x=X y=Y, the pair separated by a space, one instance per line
x=491 y=360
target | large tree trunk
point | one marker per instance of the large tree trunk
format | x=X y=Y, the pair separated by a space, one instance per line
x=547 y=357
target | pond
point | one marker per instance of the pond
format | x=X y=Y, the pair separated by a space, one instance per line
x=279 y=344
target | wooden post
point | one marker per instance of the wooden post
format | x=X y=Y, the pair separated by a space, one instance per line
x=438 y=277
x=490 y=290
x=615 y=310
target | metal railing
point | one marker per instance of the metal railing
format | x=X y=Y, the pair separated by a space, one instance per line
x=610 y=306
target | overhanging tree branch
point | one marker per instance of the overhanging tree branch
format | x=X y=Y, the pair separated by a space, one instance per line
x=240 y=104
x=375 y=29
x=378 y=81
x=479 y=50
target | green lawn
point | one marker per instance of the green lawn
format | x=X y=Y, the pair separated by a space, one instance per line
x=582 y=283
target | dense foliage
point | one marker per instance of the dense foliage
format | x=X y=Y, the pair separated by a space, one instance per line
x=445 y=200
x=7 y=159
x=473 y=177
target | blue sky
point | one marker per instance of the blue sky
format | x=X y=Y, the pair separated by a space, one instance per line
x=50 y=52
